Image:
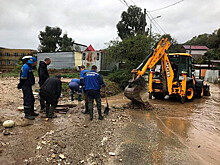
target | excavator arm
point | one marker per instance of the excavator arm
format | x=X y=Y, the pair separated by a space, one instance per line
x=132 y=91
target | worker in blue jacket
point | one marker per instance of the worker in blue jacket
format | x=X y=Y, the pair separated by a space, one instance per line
x=27 y=80
x=82 y=75
x=93 y=82
x=74 y=86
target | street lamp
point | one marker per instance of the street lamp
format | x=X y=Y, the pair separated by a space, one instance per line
x=151 y=22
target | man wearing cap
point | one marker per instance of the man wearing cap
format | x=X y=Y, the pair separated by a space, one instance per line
x=26 y=81
x=50 y=91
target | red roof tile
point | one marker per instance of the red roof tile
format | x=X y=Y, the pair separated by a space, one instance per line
x=196 y=47
x=90 y=48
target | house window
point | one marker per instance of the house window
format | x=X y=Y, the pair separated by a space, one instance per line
x=84 y=56
x=0 y=62
x=7 y=54
x=7 y=62
x=97 y=58
x=0 y=54
x=23 y=54
x=15 y=54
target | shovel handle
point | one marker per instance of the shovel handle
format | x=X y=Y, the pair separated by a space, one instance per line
x=106 y=97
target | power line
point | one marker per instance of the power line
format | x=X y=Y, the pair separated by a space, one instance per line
x=153 y=23
x=166 y=6
x=126 y=3
x=157 y=23
x=122 y=2
x=133 y=2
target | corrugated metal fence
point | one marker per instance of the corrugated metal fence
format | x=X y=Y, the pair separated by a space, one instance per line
x=59 y=60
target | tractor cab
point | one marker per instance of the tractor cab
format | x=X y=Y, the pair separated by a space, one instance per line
x=181 y=63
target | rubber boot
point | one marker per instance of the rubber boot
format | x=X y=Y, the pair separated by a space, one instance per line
x=42 y=105
x=27 y=112
x=100 y=114
x=72 y=97
x=47 y=110
x=91 y=114
x=32 y=112
x=86 y=107
x=79 y=97
x=51 y=111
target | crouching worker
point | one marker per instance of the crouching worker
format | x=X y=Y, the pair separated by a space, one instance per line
x=74 y=86
x=27 y=80
x=93 y=82
x=50 y=91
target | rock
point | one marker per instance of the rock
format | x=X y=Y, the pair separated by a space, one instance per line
x=111 y=153
x=82 y=161
x=53 y=156
x=62 y=156
x=20 y=108
x=8 y=124
x=38 y=147
x=5 y=132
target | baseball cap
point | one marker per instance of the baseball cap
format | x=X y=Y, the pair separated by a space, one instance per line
x=32 y=60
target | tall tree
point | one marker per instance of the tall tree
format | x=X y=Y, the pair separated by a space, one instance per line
x=132 y=22
x=174 y=47
x=49 y=39
x=131 y=50
x=66 y=43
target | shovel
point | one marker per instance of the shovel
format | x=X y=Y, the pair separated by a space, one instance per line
x=106 y=108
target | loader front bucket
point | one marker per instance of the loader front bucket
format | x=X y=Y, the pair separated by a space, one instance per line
x=133 y=90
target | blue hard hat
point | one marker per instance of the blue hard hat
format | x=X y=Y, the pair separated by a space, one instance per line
x=32 y=60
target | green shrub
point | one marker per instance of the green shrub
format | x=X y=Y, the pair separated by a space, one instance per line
x=121 y=77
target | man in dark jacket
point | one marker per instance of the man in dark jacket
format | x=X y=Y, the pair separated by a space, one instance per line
x=43 y=76
x=50 y=91
x=93 y=82
x=26 y=81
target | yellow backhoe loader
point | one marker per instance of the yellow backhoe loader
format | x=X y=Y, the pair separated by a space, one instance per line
x=169 y=74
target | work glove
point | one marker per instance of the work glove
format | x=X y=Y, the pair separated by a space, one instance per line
x=19 y=86
x=21 y=83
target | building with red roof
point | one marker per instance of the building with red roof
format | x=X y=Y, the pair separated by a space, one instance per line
x=196 y=51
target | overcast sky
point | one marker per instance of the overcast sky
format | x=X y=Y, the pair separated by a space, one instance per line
x=94 y=21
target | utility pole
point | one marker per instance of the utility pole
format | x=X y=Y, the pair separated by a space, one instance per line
x=151 y=23
x=144 y=24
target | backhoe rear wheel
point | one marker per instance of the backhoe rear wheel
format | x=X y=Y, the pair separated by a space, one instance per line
x=190 y=92
x=158 y=95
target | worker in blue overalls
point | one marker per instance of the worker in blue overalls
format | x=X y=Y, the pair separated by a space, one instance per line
x=74 y=86
x=93 y=83
x=27 y=80
x=83 y=71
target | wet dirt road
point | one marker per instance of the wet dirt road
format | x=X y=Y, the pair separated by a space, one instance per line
x=173 y=133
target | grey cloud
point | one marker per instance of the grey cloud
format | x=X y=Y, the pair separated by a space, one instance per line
x=95 y=21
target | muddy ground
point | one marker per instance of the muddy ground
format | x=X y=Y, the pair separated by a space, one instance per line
x=166 y=133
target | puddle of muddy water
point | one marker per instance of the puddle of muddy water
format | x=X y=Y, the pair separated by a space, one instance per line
x=174 y=133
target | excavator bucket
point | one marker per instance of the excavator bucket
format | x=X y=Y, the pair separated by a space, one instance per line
x=133 y=90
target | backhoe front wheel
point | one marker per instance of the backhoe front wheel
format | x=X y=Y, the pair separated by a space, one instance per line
x=190 y=92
